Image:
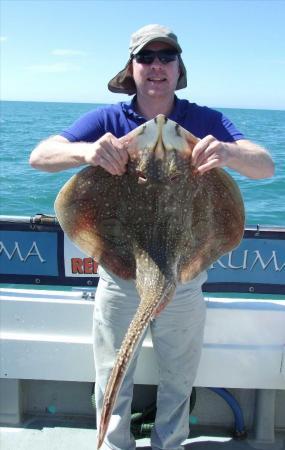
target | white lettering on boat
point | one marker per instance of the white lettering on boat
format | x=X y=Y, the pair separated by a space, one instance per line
x=33 y=251
x=248 y=261
x=263 y=264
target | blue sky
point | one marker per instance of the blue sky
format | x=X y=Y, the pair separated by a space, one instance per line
x=67 y=50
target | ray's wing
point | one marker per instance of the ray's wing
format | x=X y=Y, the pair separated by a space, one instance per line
x=92 y=210
x=216 y=224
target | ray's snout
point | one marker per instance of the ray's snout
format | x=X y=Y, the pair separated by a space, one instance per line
x=160 y=150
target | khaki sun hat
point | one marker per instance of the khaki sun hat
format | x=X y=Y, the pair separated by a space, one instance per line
x=123 y=82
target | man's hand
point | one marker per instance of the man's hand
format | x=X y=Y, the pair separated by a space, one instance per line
x=109 y=153
x=244 y=156
x=209 y=153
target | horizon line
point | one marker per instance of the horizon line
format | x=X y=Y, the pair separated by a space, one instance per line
x=108 y=103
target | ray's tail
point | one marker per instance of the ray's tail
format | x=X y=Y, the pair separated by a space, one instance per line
x=145 y=312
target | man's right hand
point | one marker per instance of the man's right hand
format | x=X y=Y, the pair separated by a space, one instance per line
x=109 y=153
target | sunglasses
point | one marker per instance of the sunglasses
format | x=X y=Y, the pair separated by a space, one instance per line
x=148 y=56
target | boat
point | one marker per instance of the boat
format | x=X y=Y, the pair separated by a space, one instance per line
x=47 y=373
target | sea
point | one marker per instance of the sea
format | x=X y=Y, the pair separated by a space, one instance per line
x=26 y=191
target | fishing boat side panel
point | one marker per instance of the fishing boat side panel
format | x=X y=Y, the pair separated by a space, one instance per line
x=36 y=251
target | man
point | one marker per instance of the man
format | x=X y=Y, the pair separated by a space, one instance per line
x=153 y=72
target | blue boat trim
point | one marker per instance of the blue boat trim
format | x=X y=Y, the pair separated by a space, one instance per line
x=252 y=288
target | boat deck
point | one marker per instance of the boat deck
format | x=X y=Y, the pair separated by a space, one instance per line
x=62 y=434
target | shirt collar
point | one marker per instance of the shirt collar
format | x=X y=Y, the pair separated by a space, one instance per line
x=178 y=112
x=129 y=109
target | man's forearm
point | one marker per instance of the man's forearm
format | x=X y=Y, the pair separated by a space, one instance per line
x=250 y=159
x=57 y=153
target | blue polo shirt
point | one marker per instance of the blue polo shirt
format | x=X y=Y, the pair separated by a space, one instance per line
x=121 y=118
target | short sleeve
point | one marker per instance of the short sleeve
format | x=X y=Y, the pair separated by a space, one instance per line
x=224 y=129
x=85 y=129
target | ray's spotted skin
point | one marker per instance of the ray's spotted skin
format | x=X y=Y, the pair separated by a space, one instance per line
x=161 y=223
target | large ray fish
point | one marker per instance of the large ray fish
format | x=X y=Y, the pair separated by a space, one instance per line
x=161 y=223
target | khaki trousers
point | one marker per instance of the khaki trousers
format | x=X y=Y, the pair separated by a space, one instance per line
x=177 y=335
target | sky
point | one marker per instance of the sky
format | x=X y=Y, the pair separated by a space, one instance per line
x=68 y=50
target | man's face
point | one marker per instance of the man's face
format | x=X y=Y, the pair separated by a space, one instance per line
x=156 y=79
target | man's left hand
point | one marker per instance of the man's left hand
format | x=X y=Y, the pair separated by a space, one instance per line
x=209 y=153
